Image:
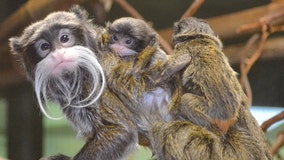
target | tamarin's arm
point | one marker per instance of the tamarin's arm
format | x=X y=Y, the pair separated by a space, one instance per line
x=163 y=70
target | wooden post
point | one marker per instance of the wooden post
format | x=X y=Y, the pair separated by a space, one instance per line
x=24 y=123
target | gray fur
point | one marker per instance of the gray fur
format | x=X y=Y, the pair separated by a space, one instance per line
x=96 y=113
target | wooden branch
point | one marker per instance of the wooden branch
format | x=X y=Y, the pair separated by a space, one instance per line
x=257 y=53
x=270 y=20
x=99 y=10
x=244 y=81
x=226 y=25
x=277 y=1
x=280 y=138
x=273 y=49
x=266 y=124
x=278 y=143
x=193 y=8
x=132 y=11
x=247 y=63
x=128 y=8
x=276 y=18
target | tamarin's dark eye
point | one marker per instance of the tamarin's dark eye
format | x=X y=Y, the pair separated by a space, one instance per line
x=115 y=37
x=44 y=46
x=64 y=38
x=129 y=41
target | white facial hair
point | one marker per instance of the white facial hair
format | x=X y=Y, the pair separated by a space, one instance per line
x=65 y=88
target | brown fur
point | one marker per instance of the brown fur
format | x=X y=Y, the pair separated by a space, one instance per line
x=215 y=121
x=133 y=77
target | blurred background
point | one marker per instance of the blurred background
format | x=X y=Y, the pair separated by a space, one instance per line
x=26 y=135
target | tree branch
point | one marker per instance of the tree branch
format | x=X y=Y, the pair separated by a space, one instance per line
x=266 y=124
x=193 y=8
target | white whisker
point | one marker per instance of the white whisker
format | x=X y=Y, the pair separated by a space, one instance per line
x=40 y=89
x=76 y=86
x=79 y=86
x=95 y=67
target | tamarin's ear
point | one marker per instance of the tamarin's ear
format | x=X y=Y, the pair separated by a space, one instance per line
x=79 y=12
x=152 y=40
x=177 y=28
x=15 y=45
x=108 y=24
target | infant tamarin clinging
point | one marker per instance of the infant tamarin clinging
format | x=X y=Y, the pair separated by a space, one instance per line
x=59 y=56
x=134 y=41
x=211 y=91
x=141 y=73
x=214 y=120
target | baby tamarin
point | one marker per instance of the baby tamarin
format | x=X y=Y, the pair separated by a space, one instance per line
x=141 y=73
x=214 y=119
x=211 y=89
x=59 y=56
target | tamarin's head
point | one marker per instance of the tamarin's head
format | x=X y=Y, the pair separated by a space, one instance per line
x=58 y=30
x=191 y=28
x=130 y=36
x=59 y=57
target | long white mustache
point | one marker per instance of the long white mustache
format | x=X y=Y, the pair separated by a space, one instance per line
x=65 y=88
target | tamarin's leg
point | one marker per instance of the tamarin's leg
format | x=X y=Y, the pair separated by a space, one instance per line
x=195 y=109
x=180 y=140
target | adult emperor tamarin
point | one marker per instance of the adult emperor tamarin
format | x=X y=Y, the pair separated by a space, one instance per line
x=59 y=56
